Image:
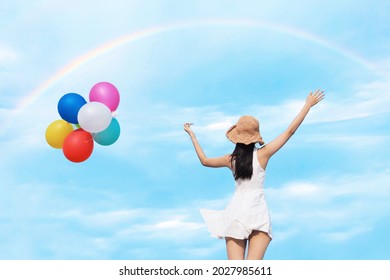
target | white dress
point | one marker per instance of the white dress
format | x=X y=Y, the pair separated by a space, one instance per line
x=246 y=211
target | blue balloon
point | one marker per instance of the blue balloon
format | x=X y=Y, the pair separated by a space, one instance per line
x=109 y=135
x=69 y=106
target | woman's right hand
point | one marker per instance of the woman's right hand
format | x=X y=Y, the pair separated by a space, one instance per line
x=313 y=98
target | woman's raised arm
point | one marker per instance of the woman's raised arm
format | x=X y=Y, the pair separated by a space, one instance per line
x=223 y=161
x=311 y=100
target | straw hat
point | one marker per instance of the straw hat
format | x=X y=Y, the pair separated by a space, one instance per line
x=246 y=131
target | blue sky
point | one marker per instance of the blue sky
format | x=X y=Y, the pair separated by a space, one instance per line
x=328 y=188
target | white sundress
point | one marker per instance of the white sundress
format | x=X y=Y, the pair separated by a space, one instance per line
x=246 y=211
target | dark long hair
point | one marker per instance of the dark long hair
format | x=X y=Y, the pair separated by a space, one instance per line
x=241 y=161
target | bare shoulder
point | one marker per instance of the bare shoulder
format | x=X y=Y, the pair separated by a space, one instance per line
x=263 y=156
x=228 y=160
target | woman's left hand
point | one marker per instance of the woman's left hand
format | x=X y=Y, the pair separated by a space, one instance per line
x=187 y=128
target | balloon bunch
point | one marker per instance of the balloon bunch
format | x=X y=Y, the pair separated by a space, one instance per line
x=93 y=121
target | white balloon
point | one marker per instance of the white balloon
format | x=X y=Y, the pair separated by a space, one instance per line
x=94 y=117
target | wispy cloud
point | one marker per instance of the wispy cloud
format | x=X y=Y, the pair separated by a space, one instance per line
x=103 y=219
x=348 y=141
x=364 y=101
x=345 y=235
x=368 y=100
x=338 y=208
x=7 y=55
x=211 y=123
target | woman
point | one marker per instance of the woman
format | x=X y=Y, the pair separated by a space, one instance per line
x=245 y=222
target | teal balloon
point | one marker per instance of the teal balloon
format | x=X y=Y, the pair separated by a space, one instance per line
x=109 y=135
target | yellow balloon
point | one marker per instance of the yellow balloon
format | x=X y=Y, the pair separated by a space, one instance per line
x=56 y=133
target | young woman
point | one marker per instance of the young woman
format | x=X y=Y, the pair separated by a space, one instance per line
x=245 y=222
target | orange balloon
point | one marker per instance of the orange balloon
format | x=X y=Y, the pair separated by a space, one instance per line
x=78 y=145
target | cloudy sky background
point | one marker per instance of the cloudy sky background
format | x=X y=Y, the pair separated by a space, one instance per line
x=206 y=62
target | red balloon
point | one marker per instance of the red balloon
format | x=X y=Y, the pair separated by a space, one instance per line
x=78 y=145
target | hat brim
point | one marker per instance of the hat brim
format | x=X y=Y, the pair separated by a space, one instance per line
x=234 y=137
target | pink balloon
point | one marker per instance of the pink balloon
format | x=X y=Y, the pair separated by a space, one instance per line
x=105 y=93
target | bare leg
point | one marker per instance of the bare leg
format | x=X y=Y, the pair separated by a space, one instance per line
x=235 y=248
x=258 y=243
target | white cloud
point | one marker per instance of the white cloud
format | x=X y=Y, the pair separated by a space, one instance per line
x=336 y=209
x=367 y=100
x=64 y=231
x=286 y=234
x=218 y=126
x=176 y=224
x=166 y=224
x=348 y=141
x=211 y=123
x=104 y=219
x=341 y=236
x=7 y=55
x=301 y=189
x=353 y=202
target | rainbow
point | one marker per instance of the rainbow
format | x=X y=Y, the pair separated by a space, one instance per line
x=152 y=31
